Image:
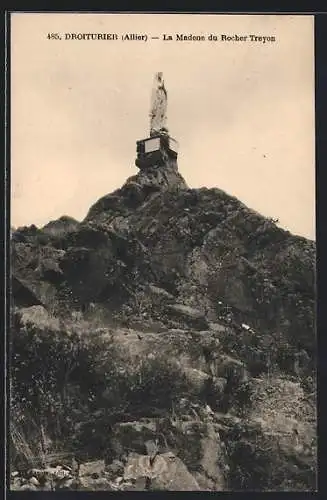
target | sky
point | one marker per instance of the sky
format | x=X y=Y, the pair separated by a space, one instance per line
x=242 y=111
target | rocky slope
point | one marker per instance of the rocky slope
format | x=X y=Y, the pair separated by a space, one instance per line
x=181 y=326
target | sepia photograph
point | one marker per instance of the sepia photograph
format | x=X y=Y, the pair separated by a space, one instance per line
x=162 y=253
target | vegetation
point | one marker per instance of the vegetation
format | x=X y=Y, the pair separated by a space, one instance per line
x=72 y=385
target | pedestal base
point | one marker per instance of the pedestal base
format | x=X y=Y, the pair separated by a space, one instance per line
x=156 y=151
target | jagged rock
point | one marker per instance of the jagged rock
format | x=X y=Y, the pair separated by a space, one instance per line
x=185 y=311
x=67 y=484
x=90 y=468
x=137 y=189
x=228 y=367
x=158 y=178
x=61 y=226
x=182 y=270
x=37 y=316
x=161 y=293
x=200 y=243
x=197 y=379
x=34 y=481
x=115 y=469
x=193 y=316
x=219 y=385
x=50 y=271
x=23 y=294
x=87 y=483
x=27 y=487
x=227 y=419
x=196 y=442
x=166 y=473
x=214 y=460
x=217 y=327
x=56 y=473
x=15 y=483
x=132 y=436
x=25 y=233
x=31 y=291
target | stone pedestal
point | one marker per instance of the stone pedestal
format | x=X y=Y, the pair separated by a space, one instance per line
x=156 y=151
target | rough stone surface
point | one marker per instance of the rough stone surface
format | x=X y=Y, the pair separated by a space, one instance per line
x=138 y=312
x=91 y=468
x=166 y=473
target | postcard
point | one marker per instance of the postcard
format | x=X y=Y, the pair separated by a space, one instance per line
x=163 y=252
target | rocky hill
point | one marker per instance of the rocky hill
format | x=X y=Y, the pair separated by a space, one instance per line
x=177 y=325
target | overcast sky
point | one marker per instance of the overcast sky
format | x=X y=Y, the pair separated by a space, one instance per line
x=242 y=112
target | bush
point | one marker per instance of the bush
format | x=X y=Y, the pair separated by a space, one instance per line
x=76 y=384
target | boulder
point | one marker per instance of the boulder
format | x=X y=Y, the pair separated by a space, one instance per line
x=27 y=487
x=94 y=468
x=189 y=267
x=160 y=293
x=132 y=436
x=188 y=314
x=89 y=483
x=196 y=378
x=61 y=226
x=115 y=469
x=24 y=294
x=38 y=316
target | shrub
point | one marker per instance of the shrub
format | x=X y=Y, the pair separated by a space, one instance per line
x=75 y=384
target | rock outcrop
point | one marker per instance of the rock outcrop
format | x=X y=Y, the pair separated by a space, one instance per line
x=178 y=317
